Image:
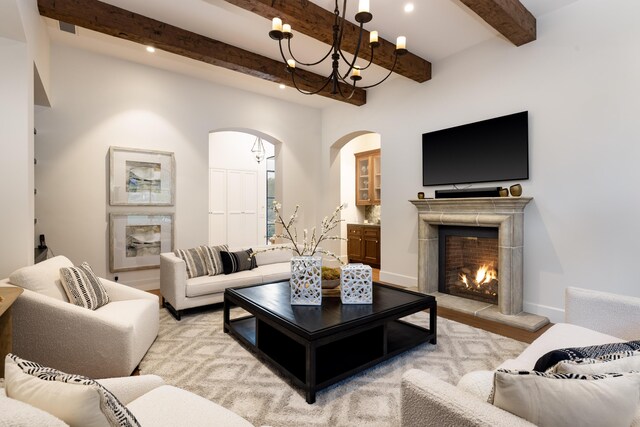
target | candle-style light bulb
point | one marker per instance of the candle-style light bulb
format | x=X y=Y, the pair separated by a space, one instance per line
x=291 y=63
x=356 y=71
x=363 y=6
x=276 y=24
x=401 y=42
x=373 y=37
x=286 y=28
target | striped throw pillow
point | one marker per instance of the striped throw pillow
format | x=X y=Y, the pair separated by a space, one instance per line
x=83 y=287
x=75 y=399
x=213 y=259
x=238 y=261
x=195 y=260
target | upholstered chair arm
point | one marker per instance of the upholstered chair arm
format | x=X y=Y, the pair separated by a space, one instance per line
x=120 y=292
x=429 y=401
x=58 y=334
x=173 y=279
x=604 y=312
x=127 y=389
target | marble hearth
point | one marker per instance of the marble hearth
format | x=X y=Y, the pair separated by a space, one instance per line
x=504 y=213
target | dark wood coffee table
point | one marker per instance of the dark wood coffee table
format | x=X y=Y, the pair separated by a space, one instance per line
x=316 y=346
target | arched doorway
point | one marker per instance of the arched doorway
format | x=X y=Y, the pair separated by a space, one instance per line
x=344 y=155
x=240 y=187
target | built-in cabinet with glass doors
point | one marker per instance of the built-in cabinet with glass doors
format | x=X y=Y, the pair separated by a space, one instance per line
x=368 y=178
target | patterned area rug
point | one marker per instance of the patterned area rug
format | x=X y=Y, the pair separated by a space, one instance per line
x=196 y=355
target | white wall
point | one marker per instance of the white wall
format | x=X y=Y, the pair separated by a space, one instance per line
x=579 y=82
x=101 y=101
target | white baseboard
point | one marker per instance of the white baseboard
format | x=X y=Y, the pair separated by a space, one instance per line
x=555 y=315
x=143 y=284
x=398 y=279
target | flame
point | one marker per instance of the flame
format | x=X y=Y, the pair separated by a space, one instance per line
x=484 y=275
x=463 y=277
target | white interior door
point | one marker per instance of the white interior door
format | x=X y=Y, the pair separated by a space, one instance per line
x=233 y=208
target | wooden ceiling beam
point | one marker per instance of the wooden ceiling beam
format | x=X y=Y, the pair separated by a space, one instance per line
x=114 y=21
x=314 y=21
x=509 y=17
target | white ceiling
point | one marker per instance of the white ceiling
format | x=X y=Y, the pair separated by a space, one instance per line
x=435 y=30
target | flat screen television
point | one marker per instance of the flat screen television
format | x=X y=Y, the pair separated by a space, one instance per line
x=486 y=151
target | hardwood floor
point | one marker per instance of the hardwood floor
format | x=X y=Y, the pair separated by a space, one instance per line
x=467 y=319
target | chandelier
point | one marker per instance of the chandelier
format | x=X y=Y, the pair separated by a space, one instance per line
x=280 y=32
x=258 y=149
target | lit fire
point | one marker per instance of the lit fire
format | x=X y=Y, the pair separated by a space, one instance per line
x=484 y=275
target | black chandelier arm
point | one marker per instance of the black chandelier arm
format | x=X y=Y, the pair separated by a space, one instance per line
x=395 y=60
x=304 y=92
x=300 y=62
x=339 y=23
x=353 y=89
x=370 y=60
x=301 y=76
x=355 y=54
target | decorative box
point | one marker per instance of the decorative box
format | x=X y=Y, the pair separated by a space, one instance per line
x=355 y=284
x=306 y=284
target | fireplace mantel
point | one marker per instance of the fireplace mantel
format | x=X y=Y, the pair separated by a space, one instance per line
x=504 y=213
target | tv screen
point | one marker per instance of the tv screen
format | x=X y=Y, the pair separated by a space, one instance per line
x=491 y=150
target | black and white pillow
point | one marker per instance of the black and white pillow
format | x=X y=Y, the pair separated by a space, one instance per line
x=72 y=398
x=213 y=258
x=83 y=287
x=233 y=262
x=195 y=259
x=550 y=359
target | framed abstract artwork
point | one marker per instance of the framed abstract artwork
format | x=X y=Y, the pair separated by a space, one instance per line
x=141 y=177
x=137 y=239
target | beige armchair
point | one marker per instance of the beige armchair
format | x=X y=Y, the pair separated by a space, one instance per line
x=107 y=342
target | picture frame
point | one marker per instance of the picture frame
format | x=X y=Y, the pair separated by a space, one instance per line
x=141 y=177
x=137 y=239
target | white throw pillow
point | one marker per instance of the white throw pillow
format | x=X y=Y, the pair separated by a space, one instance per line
x=568 y=399
x=76 y=400
x=616 y=362
x=273 y=254
x=43 y=278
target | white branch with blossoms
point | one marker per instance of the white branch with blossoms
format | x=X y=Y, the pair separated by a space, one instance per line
x=310 y=244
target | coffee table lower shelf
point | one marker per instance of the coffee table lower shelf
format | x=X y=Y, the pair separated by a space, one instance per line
x=314 y=365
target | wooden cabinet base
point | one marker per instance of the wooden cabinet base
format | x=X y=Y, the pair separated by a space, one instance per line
x=363 y=244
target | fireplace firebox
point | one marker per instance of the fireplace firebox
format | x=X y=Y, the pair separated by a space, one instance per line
x=468 y=262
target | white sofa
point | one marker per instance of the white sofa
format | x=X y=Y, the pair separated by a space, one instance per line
x=180 y=293
x=107 y=342
x=151 y=401
x=591 y=318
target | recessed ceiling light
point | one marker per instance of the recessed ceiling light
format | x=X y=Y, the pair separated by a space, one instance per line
x=282 y=86
x=408 y=7
x=151 y=49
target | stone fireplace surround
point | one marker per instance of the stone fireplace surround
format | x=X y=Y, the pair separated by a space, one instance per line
x=504 y=213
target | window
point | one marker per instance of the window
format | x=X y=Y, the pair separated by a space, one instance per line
x=271 y=196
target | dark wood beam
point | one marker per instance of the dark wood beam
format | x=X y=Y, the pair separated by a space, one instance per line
x=314 y=21
x=509 y=17
x=114 y=21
